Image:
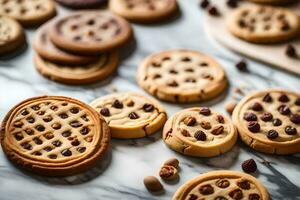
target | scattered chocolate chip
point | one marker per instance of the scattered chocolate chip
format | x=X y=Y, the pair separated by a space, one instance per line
x=52 y=156
x=193 y=197
x=35 y=107
x=232 y=3
x=290 y=130
x=54 y=108
x=205 y=111
x=57 y=143
x=200 y=135
x=30 y=120
x=283 y=98
x=213 y=11
x=291 y=51
x=205 y=125
x=48 y=149
x=81 y=149
x=24 y=112
x=47 y=118
x=277 y=122
x=244 y=184
x=66 y=152
x=40 y=128
x=75 y=124
x=173 y=84
x=206 y=189
x=242 y=66
x=74 y=110
x=204 y=4
x=75 y=142
x=18 y=136
x=272 y=134
x=172 y=162
x=148 y=107
x=63 y=115
x=253 y=126
x=117 y=104
x=266 y=117
x=185 y=133
x=37 y=153
x=56 y=126
x=37 y=140
x=217 y=130
x=254 y=196
x=249 y=166
x=222 y=183
x=267 y=98
x=220 y=198
x=26 y=145
x=220 y=119
x=168 y=172
x=105 y=112
x=284 y=110
x=66 y=133
x=295 y=118
x=153 y=184
x=297 y=102
x=236 y=194
x=84 y=131
x=29 y=131
x=190 y=121
x=257 y=106
x=133 y=115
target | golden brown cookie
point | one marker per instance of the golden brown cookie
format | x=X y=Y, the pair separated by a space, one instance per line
x=130 y=115
x=54 y=136
x=47 y=50
x=99 y=70
x=222 y=185
x=199 y=132
x=181 y=76
x=28 y=12
x=269 y=121
x=90 y=32
x=263 y=24
x=143 y=10
x=12 y=35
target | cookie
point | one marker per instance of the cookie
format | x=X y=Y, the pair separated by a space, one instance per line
x=12 y=35
x=54 y=136
x=269 y=121
x=46 y=49
x=222 y=185
x=273 y=2
x=130 y=115
x=199 y=132
x=90 y=32
x=143 y=10
x=181 y=76
x=28 y=12
x=81 y=4
x=263 y=24
x=79 y=74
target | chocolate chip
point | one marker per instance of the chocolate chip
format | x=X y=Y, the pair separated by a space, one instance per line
x=277 y=122
x=236 y=194
x=63 y=115
x=244 y=184
x=74 y=110
x=84 y=131
x=52 y=156
x=75 y=124
x=213 y=11
x=253 y=126
x=148 y=107
x=172 y=71
x=205 y=125
x=75 y=142
x=48 y=149
x=220 y=119
x=173 y=84
x=29 y=131
x=267 y=98
x=193 y=197
x=81 y=149
x=205 y=111
x=297 y=102
x=284 y=110
x=232 y=3
x=200 y=135
x=220 y=198
x=257 y=106
x=295 y=118
x=35 y=107
x=37 y=153
x=56 y=126
x=204 y=4
x=283 y=98
x=249 y=166
x=291 y=51
x=26 y=145
x=18 y=136
x=30 y=120
x=37 y=141
x=24 y=112
x=206 y=189
x=290 y=130
x=105 y=112
x=217 y=130
x=185 y=133
x=66 y=133
x=222 y=183
x=242 y=66
x=190 y=121
x=66 y=152
x=47 y=118
x=250 y=117
x=57 y=143
x=117 y=104
x=266 y=117
x=54 y=108
x=40 y=112
x=133 y=115
x=272 y=134
x=254 y=196
x=40 y=128
x=89 y=139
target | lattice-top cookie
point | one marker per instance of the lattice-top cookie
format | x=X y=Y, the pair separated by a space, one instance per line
x=181 y=76
x=90 y=32
x=54 y=135
x=143 y=10
x=130 y=115
x=28 y=12
x=222 y=185
x=263 y=24
x=269 y=121
x=199 y=132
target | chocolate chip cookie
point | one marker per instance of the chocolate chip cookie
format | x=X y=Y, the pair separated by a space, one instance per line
x=199 y=132
x=263 y=24
x=269 y=121
x=143 y=10
x=222 y=185
x=81 y=4
x=130 y=115
x=54 y=136
x=181 y=76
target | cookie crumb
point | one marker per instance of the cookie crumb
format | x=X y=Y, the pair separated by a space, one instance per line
x=249 y=166
x=291 y=51
x=242 y=66
x=229 y=106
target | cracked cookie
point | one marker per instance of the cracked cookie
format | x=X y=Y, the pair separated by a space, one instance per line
x=222 y=185
x=11 y=35
x=181 y=76
x=28 y=12
x=54 y=136
x=81 y=4
x=269 y=121
x=199 y=132
x=143 y=10
x=263 y=24
x=90 y=32
x=130 y=115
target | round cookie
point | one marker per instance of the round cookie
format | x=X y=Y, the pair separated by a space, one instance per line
x=90 y=32
x=143 y=10
x=199 y=132
x=46 y=49
x=273 y=2
x=54 y=136
x=28 y=12
x=181 y=76
x=222 y=185
x=269 y=121
x=12 y=35
x=130 y=115
x=81 y=74
x=81 y=4
x=263 y=24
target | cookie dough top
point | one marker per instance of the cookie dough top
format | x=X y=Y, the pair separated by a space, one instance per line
x=10 y=30
x=271 y=116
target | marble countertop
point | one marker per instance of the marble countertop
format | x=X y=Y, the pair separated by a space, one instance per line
x=121 y=174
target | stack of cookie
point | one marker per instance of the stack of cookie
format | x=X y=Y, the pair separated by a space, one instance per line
x=80 y=48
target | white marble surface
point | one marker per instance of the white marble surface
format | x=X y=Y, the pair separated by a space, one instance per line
x=121 y=175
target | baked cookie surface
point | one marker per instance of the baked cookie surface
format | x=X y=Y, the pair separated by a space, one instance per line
x=263 y=24
x=199 y=132
x=81 y=4
x=269 y=121
x=54 y=136
x=28 y=12
x=222 y=185
x=143 y=10
x=99 y=70
x=181 y=76
x=130 y=115
x=90 y=32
